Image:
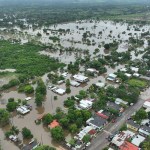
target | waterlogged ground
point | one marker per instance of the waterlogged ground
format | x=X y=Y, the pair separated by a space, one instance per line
x=101 y=32
x=71 y=35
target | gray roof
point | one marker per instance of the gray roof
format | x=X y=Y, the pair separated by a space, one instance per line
x=98 y=121
x=145 y=128
x=132 y=123
x=113 y=106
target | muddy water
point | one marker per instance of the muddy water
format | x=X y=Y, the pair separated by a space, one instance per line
x=110 y=31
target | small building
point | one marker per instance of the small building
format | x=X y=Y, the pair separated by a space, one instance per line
x=128 y=75
x=123 y=69
x=120 y=138
x=100 y=84
x=32 y=145
x=53 y=124
x=84 y=132
x=74 y=83
x=92 y=70
x=144 y=130
x=136 y=74
x=112 y=105
x=100 y=114
x=128 y=146
x=137 y=140
x=111 y=77
x=146 y=104
x=80 y=78
x=120 y=101
x=59 y=91
x=28 y=98
x=23 y=110
x=97 y=122
x=132 y=125
x=134 y=69
x=85 y=104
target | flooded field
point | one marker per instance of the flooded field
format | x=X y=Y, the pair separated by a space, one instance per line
x=71 y=35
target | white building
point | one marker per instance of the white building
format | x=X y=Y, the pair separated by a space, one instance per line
x=92 y=70
x=60 y=91
x=120 y=138
x=74 y=83
x=147 y=104
x=23 y=110
x=85 y=104
x=100 y=84
x=111 y=77
x=137 y=140
x=80 y=78
x=128 y=75
x=135 y=69
x=28 y=98
x=120 y=101
x=84 y=132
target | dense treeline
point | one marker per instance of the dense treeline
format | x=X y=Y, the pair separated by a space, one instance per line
x=26 y=59
x=52 y=14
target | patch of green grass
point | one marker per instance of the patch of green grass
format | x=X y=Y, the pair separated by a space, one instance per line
x=137 y=83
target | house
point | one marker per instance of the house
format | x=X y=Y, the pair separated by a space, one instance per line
x=85 y=104
x=137 y=140
x=128 y=75
x=32 y=145
x=132 y=125
x=120 y=101
x=111 y=77
x=144 y=130
x=59 y=91
x=120 y=138
x=112 y=105
x=128 y=146
x=28 y=98
x=100 y=84
x=53 y=124
x=92 y=70
x=123 y=69
x=74 y=83
x=134 y=69
x=102 y=114
x=97 y=122
x=23 y=110
x=84 y=132
x=147 y=104
x=80 y=78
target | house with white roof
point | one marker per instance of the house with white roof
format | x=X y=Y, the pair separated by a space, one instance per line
x=80 y=78
x=137 y=140
x=111 y=77
x=85 y=104
x=147 y=104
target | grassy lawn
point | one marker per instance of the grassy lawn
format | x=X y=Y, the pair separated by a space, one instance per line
x=137 y=83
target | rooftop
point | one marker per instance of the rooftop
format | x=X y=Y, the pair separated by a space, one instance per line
x=113 y=105
x=97 y=121
x=137 y=140
x=133 y=123
x=53 y=124
x=128 y=146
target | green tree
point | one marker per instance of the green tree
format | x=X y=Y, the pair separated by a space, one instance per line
x=4 y=117
x=57 y=134
x=26 y=133
x=28 y=89
x=73 y=128
x=67 y=82
x=11 y=106
x=47 y=119
x=68 y=90
x=64 y=122
x=86 y=138
x=140 y=115
x=45 y=147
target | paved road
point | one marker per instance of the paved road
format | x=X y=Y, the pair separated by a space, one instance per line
x=100 y=141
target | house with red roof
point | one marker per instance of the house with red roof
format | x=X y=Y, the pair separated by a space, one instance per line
x=128 y=146
x=53 y=124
